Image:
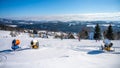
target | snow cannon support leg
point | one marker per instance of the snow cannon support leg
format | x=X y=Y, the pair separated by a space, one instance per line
x=34 y=46
x=15 y=47
x=107 y=48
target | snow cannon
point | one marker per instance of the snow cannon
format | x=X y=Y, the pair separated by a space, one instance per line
x=107 y=48
x=15 y=44
x=34 y=44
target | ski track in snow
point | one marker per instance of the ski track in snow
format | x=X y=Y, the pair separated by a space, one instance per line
x=56 y=53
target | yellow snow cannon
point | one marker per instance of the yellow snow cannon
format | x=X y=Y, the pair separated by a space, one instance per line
x=35 y=44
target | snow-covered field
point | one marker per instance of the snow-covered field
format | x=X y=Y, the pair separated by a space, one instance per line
x=57 y=53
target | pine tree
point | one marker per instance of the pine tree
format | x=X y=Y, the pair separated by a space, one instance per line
x=97 y=34
x=109 y=34
x=34 y=31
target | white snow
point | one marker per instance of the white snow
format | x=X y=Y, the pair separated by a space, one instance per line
x=56 y=53
x=107 y=25
x=91 y=25
x=12 y=25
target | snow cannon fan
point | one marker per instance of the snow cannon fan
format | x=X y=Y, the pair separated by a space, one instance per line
x=34 y=44
x=15 y=44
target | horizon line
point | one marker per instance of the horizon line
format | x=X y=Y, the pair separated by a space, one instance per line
x=65 y=14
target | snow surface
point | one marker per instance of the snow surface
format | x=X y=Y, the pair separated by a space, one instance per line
x=56 y=53
x=12 y=25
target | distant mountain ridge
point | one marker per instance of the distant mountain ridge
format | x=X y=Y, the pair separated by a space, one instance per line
x=67 y=26
x=66 y=23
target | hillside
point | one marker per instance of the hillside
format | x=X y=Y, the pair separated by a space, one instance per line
x=56 y=53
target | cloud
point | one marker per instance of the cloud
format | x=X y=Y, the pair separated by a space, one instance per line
x=75 y=17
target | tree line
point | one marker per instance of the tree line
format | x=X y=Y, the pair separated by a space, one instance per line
x=99 y=35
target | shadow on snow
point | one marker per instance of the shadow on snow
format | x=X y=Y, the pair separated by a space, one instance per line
x=9 y=50
x=94 y=52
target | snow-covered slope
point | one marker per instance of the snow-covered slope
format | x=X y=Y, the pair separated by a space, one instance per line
x=56 y=53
